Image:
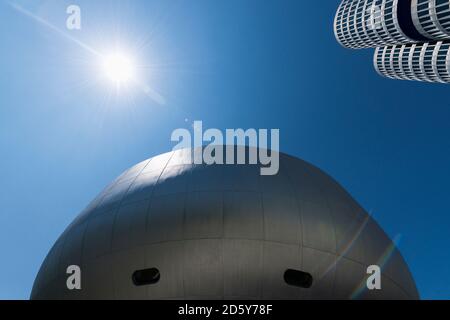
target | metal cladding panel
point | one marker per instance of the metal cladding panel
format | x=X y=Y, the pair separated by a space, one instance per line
x=98 y=283
x=243 y=215
x=348 y=231
x=203 y=216
x=165 y=220
x=350 y=276
x=72 y=248
x=142 y=187
x=98 y=236
x=322 y=266
x=277 y=258
x=203 y=269
x=282 y=221
x=167 y=256
x=124 y=263
x=242 y=267
x=318 y=227
x=129 y=226
x=222 y=231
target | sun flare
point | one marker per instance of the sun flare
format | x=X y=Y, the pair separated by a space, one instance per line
x=119 y=68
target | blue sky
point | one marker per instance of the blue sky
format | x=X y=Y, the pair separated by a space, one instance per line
x=64 y=135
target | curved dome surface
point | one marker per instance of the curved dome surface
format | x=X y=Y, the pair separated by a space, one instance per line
x=223 y=232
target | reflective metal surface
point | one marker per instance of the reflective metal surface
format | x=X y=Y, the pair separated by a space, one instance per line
x=223 y=231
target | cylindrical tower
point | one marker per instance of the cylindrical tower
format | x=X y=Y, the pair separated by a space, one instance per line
x=432 y=18
x=371 y=23
x=424 y=62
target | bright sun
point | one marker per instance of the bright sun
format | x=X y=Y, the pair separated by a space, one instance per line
x=119 y=68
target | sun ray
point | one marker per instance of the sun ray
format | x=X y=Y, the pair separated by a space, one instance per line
x=118 y=67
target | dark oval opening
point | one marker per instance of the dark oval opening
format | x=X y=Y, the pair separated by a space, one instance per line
x=146 y=277
x=298 y=278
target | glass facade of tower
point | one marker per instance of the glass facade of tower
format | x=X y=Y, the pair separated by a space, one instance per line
x=432 y=18
x=424 y=62
x=368 y=23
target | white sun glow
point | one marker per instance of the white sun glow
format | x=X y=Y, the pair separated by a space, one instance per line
x=119 y=68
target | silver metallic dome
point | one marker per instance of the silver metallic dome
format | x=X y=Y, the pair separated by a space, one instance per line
x=168 y=229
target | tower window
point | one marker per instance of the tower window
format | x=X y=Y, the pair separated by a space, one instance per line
x=146 y=277
x=298 y=278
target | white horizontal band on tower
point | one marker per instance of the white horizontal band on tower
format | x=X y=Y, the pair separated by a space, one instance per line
x=428 y=62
